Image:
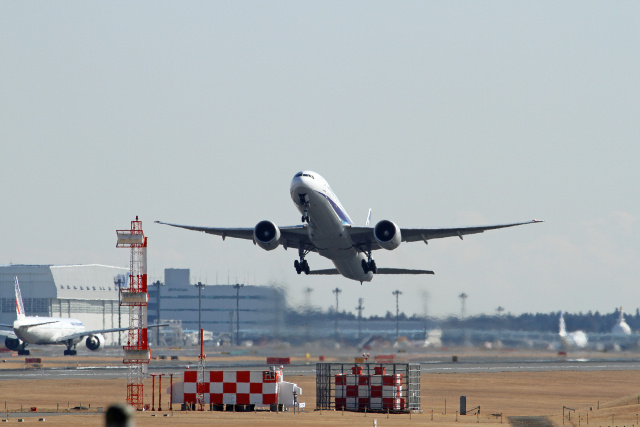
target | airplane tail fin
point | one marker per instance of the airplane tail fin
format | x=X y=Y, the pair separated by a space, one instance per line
x=19 y=304
x=563 y=328
x=368 y=218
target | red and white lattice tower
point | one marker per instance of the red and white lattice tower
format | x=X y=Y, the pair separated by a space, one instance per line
x=136 y=349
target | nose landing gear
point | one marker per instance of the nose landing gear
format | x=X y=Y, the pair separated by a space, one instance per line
x=304 y=201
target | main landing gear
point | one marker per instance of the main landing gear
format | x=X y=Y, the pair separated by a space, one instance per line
x=369 y=265
x=22 y=351
x=69 y=351
x=302 y=265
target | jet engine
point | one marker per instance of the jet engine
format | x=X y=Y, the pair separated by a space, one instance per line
x=267 y=235
x=95 y=342
x=12 y=344
x=387 y=234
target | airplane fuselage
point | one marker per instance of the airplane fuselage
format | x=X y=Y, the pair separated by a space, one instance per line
x=328 y=224
x=46 y=330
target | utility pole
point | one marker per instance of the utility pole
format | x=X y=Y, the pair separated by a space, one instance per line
x=337 y=292
x=237 y=287
x=199 y=285
x=360 y=307
x=397 y=293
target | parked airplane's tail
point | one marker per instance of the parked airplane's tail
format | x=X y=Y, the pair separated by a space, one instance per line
x=562 y=326
x=19 y=303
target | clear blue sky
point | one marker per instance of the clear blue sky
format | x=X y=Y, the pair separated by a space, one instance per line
x=430 y=113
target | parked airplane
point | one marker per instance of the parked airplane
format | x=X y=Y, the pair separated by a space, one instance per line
x=571 y=340
x=50 y=330
x=330 y=232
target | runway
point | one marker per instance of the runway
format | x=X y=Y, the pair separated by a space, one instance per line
x=470 y=365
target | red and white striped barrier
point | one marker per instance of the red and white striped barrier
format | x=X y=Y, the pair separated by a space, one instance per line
x=260 y=388
x=377 y=392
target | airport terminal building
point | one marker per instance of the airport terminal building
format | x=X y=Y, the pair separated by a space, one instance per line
x=254 y=311
x=85 y=292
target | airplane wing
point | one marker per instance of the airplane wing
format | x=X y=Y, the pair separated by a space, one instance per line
x=99 y=331
x=294 y=236
x=6 y=326
x=363 y=237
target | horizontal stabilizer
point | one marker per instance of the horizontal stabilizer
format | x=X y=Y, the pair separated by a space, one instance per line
x=327 y=272
x=333 y=271
x=402 y=271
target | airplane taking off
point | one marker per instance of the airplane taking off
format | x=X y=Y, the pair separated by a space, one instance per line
x=51 y=330
x=327 y=229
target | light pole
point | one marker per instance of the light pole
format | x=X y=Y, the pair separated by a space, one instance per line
x=307 y=310
x=463 y=299
x=237 y=287
x=157 y=283
x=360 y=307
x=117 y=281
x=337 y=292
x=199 y=285
x=397 y=293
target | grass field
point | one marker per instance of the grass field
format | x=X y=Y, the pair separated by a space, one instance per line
x=605 y=397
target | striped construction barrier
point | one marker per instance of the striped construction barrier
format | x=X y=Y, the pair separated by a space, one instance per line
x=356 y=391
x=259 y=388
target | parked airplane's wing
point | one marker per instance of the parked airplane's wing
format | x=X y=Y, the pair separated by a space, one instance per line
x=99 y=331
x=363 y=237
x=294 y=236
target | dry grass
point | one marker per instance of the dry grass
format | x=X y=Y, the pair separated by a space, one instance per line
x=509 y=394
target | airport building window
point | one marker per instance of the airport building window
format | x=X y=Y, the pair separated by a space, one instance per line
x=8 y=305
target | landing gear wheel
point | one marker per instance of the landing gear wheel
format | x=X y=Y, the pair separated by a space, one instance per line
x=296 y=264
x=23 y=352
x=305 y=267
x=365 y=267
x=369 y=266
x=372 y=267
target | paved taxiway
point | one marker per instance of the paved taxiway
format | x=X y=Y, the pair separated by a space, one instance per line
x=473 y=365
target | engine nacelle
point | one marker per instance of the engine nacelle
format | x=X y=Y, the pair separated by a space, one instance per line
x=12 y=344
x=95 y=342
x=267 y=235
x=387 y=234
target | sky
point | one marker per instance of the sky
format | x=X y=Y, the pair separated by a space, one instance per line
x=432 y=114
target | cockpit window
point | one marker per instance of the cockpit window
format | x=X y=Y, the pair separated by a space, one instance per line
x=304 y=174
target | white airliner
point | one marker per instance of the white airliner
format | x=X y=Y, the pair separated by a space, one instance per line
x=50 y=330
x=571 y=340
x=327 y=229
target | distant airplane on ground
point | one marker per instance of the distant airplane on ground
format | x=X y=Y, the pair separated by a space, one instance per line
x=571 y=340
x=51 y=330
x=330 y=232
x=621 y=327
